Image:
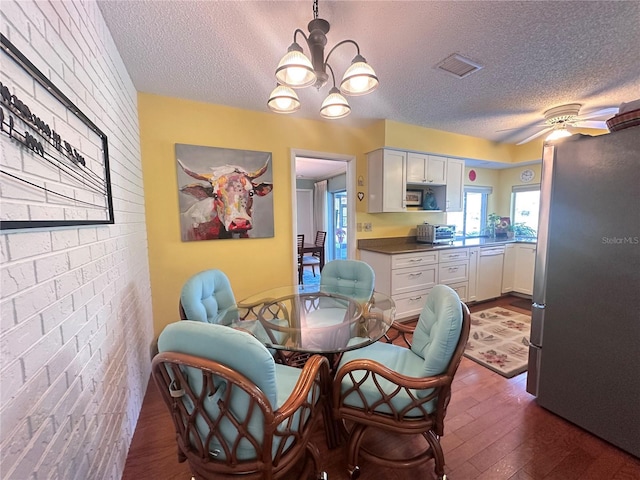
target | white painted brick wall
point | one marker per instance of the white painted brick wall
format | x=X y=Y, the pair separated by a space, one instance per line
x=75 y=306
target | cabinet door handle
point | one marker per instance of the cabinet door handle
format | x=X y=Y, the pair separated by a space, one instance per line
x=415 y=274
x=415 y=299
x=416 y=260
x=453 y=269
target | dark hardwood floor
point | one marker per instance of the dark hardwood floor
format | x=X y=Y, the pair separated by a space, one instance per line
x=494 y=430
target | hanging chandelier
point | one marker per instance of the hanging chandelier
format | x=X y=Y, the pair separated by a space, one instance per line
x=295 y=70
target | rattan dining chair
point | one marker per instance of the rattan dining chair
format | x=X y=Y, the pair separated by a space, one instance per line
x=403 y=390
x=238 y=414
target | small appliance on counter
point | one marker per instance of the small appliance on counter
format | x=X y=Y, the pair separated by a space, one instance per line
x=427 y=233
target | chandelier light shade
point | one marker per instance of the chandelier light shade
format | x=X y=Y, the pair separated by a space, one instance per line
x=335 y=105
x=283 y=100
x=297 y=70
x=359 y=79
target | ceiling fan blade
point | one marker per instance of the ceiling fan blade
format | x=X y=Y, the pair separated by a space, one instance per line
x=535 y=135
x=603 y=112
x=591 y=124
x=521 y=128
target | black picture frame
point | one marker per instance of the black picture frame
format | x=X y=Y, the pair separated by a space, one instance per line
x=67 y=154
x=413 y=198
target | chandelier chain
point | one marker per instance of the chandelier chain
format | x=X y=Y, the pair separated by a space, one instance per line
x=315 y=9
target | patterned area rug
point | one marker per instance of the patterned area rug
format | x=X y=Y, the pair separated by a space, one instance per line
x=499 y=340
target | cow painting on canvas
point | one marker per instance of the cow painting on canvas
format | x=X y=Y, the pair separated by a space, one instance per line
x=230 y=197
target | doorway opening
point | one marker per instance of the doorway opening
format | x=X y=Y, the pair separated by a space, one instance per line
x=323 y=200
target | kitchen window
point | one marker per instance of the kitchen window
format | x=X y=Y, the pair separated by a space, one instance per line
x=525 y=205
x=472 y=221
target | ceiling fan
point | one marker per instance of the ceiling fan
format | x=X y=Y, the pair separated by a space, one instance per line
x=561 y=120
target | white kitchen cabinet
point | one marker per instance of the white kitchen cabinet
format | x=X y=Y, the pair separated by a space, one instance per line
x=455 y=185
x=461 y=289
x=453 y=270
x=406 y=277
x=508 y=268
x=524 y=268
x=387 y=181
x=518 y=269
x=426 y=169
x=473 y=274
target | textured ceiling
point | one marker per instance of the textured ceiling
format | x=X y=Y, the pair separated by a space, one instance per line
x=536 y=55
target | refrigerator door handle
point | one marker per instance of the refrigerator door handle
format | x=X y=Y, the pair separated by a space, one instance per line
x=537 y=324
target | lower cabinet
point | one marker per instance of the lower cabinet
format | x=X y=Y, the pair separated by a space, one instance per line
x=409 y=277
x=524 y=271
x=517 y=273
x=461 y=289
x=508 y=268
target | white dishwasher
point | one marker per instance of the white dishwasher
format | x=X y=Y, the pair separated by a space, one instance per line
x=490 y=272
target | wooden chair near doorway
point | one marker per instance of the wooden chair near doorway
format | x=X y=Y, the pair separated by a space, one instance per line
x=314 y=258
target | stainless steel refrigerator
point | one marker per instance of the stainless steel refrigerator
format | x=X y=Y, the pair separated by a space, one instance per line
x=584 y=358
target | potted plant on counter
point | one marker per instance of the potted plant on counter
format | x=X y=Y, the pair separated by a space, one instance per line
x=493 y=222
x=522 y=230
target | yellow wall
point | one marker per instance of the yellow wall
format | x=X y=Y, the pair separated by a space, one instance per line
x=250 y=265
x=508 y=178
x=413 y=137
x=268 y=262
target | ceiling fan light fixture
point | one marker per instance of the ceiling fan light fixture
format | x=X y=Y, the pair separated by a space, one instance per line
x=283 y=100
x=335 y=105
x=558 y=133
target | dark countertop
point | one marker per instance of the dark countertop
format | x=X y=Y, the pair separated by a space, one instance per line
x=395 y=245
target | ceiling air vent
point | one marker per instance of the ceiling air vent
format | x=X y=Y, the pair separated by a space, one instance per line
x=458 y=66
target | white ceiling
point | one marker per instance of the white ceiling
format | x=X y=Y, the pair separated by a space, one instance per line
x=536 y=55
x=318 y=169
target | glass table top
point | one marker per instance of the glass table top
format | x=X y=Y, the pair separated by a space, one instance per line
x=316 y=319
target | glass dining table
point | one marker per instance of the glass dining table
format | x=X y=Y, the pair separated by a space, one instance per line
x=303 y=319
x=298 y=321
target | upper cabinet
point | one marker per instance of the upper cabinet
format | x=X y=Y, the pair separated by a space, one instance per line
x=387 y=181
x=426 y=169
x=391 y=172
x=455 y=185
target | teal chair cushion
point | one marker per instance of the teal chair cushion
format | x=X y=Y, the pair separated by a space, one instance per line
x=207 y=297
x=237 y=350
x=438 y=330
x=243 y=353
x=351 y=278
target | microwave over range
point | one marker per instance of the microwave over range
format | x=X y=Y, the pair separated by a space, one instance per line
x=427 y=233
